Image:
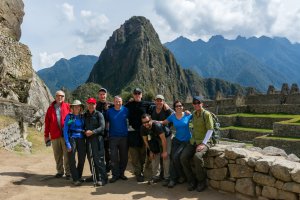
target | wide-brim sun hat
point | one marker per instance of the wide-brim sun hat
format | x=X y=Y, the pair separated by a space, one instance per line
x=76 y=103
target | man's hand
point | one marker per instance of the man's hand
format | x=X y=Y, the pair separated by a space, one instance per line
x=88 y=133
x=164 y=155
x=200 y=147
x=69 y=150
x=46 y=139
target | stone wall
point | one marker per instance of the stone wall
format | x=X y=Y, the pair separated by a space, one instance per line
x=241 y=135
x=286 y=130
x=269 y=109
x=252 y=175
x=13 y=135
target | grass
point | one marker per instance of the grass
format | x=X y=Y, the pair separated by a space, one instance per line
x=6 y=121
x=263 y=115
x=37 y=139
x=280 y=138
x=248 y=129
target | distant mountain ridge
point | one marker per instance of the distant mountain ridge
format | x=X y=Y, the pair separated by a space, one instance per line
x=68 y=73
x=134 y=57
x=256 y=62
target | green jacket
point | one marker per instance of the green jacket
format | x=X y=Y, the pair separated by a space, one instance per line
x=200 y=126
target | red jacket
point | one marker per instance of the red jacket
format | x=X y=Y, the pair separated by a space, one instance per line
x=51 y=125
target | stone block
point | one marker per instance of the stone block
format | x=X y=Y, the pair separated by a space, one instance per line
x=217 y=174
x=291 y=187
x=264 y=179
x=252 y=162
x=263 y=165
x=295 y=173
x=279 y=184
x=245 y=186
x=215 y=151
x=221 y=162
x=208 y=162
x=241 y=161
x=262 y=198
x=234 y=153
x=227 y=186
x=258 y=190
x=286 y=195
x=243 y=197
x=270 y=192
x=214 y=184
x=281 y=169
x=240 y=171
x=231 y=161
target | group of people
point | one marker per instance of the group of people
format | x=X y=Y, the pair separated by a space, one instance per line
x=102 y=133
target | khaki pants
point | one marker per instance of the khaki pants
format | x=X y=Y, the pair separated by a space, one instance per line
x=61 y=156
x=166 y=163
x=138 y=156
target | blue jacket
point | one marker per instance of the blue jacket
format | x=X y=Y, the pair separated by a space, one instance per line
x=73 y=128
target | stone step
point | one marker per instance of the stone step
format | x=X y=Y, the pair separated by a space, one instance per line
x=289 y=145
x=289 y=128
x=243 y=134
x=263 y=121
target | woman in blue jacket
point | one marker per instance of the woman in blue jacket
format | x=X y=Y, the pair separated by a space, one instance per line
x=75 y=140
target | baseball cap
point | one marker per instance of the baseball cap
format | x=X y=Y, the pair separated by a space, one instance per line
x=159 y=96
x=137 y=90
x=198 y=98
x=91 y=100
x=102 y=90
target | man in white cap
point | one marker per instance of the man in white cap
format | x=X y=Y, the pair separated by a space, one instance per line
x=54 y=123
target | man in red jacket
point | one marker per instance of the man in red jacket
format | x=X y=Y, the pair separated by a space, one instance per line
x=54 y=123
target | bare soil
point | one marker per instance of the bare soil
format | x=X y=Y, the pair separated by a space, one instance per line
x=30 y=176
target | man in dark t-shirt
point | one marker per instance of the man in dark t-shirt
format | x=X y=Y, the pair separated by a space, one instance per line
x=155 y=142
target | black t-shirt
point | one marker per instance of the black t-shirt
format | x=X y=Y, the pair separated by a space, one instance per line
x=162 y=115
x=136 y=110
x=154 y=131
x=103 y=107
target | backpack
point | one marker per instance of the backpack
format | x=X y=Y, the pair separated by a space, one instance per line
x=216 y=135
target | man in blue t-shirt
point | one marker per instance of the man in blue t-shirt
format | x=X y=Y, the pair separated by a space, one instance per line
x=118 y=132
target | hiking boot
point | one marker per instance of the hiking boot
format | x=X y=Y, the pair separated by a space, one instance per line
x=192 y=186
x=58 y=175
x=171 y=184
x=123 y=177
x=154 y=180
x=77 y=183
x=68 y=177
x=89 y=179
x=113 y=179
x=140 y=178
x=201 y=186
x=100 y=183
x=181 y=180
x=165 y=182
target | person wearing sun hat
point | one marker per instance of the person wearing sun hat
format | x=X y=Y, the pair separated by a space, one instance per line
x=75 y=140
x=94 y=131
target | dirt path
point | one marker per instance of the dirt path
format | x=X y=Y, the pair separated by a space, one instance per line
x=31 y=177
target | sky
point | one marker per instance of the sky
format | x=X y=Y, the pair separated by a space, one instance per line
x=55 y=29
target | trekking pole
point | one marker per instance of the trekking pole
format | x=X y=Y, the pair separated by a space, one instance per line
x=92 y=164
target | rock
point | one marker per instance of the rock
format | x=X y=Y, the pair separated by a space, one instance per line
x=281 y=169
x=221 y=161
x=242 y=197
x=292 y=157
x=208 y=162
x=214 y=184
x=252 y=161
x=292 y=187
x=295 y=174
x=263 y=165
x=241 y=161
x=240 y=171
x=286 y=195
x=263 y=179
x=273 y=151
x=11 y=15
x=258 y=190
x=279 y=184
x=270 y=192
x=234 y=153
x=227 y=186
x=245 y=186
x=216 y=151
x=217 y=174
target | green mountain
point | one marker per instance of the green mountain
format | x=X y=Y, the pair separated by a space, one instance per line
x=134 y=57
x=68 y=73
x=257 y=62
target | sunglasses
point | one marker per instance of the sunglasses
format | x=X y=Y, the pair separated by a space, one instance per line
x=178 y=106
x=60 y=95
x=196 y=102
x=137 y=93
x=146 y=122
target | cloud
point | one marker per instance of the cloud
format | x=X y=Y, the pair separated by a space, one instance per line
x=48 y=60
x=94 y=26
x=201 y=18
x=68 y=11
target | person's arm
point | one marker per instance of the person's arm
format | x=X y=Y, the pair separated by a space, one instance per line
x=209 y=126
x=66 y=133
x=47 y=126
x=100 y=129
x=163 y=139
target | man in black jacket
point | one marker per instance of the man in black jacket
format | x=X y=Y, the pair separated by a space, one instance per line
x=94 y=131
